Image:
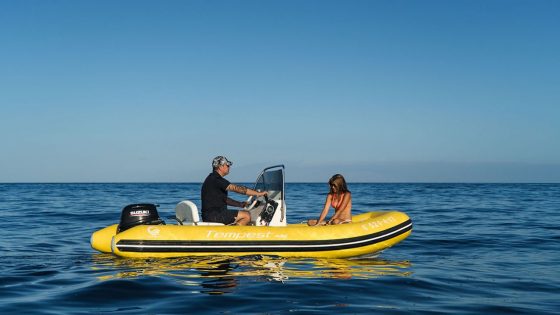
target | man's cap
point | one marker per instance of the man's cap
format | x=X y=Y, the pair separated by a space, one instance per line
x=220 y=160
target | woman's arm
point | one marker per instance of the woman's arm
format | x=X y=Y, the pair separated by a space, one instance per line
x=345 y=201
x=325 y=209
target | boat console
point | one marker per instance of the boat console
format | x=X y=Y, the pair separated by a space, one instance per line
x=269 y=210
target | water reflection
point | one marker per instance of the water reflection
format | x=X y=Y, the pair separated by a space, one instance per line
x=219 y=275
x=218 y=280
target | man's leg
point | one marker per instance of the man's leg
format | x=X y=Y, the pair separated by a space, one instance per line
x=243 y=218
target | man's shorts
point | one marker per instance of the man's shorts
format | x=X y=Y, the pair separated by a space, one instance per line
x=225 y=216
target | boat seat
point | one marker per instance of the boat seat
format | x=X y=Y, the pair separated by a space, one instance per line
x=186 y=213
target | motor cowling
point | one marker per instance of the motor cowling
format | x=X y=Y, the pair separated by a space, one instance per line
x=139 y=214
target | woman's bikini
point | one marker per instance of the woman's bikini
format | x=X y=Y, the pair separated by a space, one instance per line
x=335 y=203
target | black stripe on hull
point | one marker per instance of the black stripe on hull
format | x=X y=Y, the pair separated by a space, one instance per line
x=192 y=246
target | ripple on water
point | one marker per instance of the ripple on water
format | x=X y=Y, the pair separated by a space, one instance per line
x=474 y=249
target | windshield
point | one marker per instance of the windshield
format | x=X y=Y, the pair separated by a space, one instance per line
x=272 y=180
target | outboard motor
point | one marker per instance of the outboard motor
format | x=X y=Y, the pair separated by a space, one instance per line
x=139 y=214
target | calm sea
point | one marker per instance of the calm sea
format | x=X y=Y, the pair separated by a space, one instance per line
x=475 y=248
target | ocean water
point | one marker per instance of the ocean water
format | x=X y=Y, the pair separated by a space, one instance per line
x=474 y=249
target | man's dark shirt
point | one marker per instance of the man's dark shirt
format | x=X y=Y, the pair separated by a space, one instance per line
x=214 y=195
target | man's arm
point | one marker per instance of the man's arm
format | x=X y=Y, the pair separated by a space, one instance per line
x=235 y=203
x=244 y=190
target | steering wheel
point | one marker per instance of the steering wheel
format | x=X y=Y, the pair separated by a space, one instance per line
x=252 y=204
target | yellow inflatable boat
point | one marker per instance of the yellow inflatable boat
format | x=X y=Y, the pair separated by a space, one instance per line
x=141 y=233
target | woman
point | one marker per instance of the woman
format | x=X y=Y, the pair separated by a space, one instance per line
x=340 y=199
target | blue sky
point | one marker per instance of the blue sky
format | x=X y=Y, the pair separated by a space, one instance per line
x=380 y=91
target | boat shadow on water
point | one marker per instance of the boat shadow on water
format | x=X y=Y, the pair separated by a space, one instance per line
x=222 y=274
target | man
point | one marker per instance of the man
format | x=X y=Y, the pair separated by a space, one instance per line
x=214 y=195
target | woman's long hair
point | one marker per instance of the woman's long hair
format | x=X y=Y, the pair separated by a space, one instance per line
x=337 y=185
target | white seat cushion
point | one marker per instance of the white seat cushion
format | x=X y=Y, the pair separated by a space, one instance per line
x=186 y=213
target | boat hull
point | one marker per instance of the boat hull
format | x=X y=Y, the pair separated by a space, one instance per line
x=369 y=233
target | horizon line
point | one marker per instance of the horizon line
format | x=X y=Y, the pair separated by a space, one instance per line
x=292 y=182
